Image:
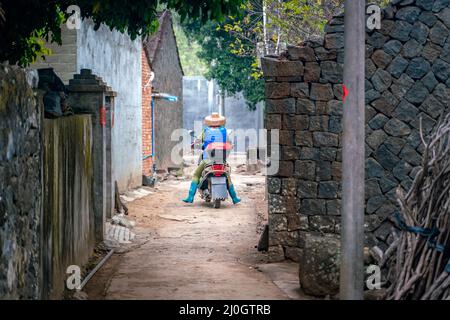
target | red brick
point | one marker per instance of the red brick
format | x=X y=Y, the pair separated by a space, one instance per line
x=146 y=116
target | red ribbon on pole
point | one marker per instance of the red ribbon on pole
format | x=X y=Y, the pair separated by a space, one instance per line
x=102 y=113
x=344 y=92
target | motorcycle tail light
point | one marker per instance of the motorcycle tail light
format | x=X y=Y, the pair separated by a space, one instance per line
x=218 y=167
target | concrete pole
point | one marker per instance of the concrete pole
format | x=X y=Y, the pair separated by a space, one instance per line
x=222 y=103
x=352 y=235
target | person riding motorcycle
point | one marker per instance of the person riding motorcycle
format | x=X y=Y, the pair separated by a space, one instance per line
x=215 y=131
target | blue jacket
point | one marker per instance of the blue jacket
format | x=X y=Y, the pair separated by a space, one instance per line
x=213 y=134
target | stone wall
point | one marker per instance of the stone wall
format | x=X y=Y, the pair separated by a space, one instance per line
x=20 y=186
x=407 y=78
x=68 y=231
x=47 y=220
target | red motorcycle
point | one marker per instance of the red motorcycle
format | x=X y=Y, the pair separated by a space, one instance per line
x=213 y=185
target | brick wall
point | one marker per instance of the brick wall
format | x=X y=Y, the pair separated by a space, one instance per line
x=407 y=78
x=146 y=116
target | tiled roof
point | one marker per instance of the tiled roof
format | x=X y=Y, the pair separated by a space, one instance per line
x=152 y=43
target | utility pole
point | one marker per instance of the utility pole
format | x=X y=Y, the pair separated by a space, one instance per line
x=222 y=103
x=265 y=36
x=352 y=235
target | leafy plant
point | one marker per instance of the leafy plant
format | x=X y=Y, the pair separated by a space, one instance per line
x=189 y=50
x=232 y=48
x=232 y=71
x=26 y=19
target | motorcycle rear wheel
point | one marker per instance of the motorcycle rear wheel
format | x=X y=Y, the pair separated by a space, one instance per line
x=217 y=203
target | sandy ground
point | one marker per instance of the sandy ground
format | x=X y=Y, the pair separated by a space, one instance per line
x=191 y=251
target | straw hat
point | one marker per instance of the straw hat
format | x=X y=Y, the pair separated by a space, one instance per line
x=215 y=120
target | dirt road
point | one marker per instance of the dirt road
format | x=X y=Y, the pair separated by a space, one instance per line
x=191 y=251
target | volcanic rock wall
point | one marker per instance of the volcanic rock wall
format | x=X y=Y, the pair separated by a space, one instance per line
x=407 y=79
x=20 y=186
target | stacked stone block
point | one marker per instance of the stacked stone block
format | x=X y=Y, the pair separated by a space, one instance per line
x=21 y=185
x=407 y=79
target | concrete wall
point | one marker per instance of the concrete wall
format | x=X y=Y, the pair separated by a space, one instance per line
x=63 y=58
x=168 y=115
x=20 y=186
x=199 y=99
x=407 y=78
x=68 y=232
x=113 y=56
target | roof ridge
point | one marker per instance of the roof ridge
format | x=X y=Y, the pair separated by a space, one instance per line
x=152 y=43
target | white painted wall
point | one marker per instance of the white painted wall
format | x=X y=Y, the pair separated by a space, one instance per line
x=117 y=59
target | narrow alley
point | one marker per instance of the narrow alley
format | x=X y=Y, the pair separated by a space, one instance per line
x=193 y=251
x=224 y=150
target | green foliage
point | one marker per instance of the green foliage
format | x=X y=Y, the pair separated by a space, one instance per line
x=189 y=50
x=34 y=47
x=204 y=10
x=286 y=22
x=299 y=20
x=24 y=20
x=232 y=47
x=270 y=23
x=233 y=72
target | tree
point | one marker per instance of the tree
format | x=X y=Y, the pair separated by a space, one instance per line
x=28 y=22
x=264 y=27
x=233 y=72
x=189 y=51
x=271 y=24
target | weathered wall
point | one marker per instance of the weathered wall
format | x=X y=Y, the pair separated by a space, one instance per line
x=86 y=93
x=68 y=219
x=407 y=78
x=63 y=58
x=117 y=59
x=46 y=188
x=20 y=186
x=168 y=115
